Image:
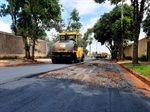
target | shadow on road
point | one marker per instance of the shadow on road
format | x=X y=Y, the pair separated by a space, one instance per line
x=53 y=95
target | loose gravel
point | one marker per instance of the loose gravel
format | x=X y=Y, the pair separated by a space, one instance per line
x=101 y=73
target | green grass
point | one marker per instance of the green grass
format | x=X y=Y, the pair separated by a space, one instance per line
x=143 y=69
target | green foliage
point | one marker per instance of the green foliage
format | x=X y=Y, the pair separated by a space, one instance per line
x=143 y=57
x=112 y=1
x=75 y=15
x=86 y=39
x=126 y=25
x=9 y=57
x=146 y=25
x=73 y=21
x=108 y=30
x=128 y=58
x=102 y=29
x=4 y=10
x=51 y=44
x=139 y=8
x=138 y=12
x=59 y=25
x=32 y=17
x=143 y=69
x=27 y=47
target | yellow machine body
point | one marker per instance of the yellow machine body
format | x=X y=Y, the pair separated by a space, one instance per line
x=66 y=50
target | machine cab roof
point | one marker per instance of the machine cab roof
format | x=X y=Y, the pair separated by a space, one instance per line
x=65 y=36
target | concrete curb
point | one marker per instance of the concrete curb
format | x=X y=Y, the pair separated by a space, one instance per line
x=141 y=77
x=22 y=64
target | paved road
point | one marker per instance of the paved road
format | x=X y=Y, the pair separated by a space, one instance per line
x=11 y=73
x=52 y=95
x=34 y=94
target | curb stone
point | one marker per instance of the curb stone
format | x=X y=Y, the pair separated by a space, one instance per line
x=139 y=76
x=22 y=64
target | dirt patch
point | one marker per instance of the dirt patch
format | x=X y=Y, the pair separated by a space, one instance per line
x=95 y=73
x=142 y=86
x=21 y=62
x=101 y=74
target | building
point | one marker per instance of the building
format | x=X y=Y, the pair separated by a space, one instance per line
x=143 y=48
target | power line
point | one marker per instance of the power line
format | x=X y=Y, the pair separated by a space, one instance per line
x=64 y=7
x=82 y=1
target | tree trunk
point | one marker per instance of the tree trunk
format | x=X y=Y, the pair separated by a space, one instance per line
x=121 y=51
x=135 y=45
x=34 y=36
x=33 y=49
x=137 y=20
x=135 y=49
x=121 y=57
x=114 y=52
x=27 y=47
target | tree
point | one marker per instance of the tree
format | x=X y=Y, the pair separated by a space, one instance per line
x=42 y=13
x=90 y=42
x=32 y=17
x=51 y=43
x=108 y=31
x=139 y=7
x=73 y=21
x=21 y=21
x=146 y=25
x=87 y=39
x=122 y=28
x=103 y=34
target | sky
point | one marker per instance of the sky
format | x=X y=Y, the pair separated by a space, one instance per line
x=89 y=13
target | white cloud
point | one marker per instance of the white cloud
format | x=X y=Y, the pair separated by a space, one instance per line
x=95 y=46
x=142 y=35
x=51 y=34
x=87 y=7
x=84 y=6
x=89 y=25
x=128 y=2
x=4 y=27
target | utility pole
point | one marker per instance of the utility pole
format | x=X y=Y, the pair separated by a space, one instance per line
x=121 y=52
x=122 y=13
x=96 y=46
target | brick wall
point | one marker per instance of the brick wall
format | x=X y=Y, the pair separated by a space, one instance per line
x=11 y=45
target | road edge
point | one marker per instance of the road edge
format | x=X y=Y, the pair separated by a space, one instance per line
x=139 y=76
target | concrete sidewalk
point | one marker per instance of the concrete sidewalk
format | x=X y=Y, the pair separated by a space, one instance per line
x=19 y=62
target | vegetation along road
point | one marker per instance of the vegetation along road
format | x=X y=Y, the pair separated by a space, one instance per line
x=96 y=86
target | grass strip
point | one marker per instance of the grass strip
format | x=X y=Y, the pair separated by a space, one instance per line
x=143 y=69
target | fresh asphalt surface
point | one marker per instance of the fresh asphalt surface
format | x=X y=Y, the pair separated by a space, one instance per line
x=15 y=73
x=52 y=95
x=11 y=73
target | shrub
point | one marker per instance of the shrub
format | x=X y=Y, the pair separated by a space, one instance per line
x=128 y=58
x=143 y=57
x=9 y=57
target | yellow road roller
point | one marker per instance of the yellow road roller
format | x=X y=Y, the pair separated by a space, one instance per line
x=66 y=50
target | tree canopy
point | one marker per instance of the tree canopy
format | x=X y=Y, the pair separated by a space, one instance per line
x=146 y=25
x=86 y=39
x=73 y=21
x=30 y=18
x=108 y=28
x=139 y=8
